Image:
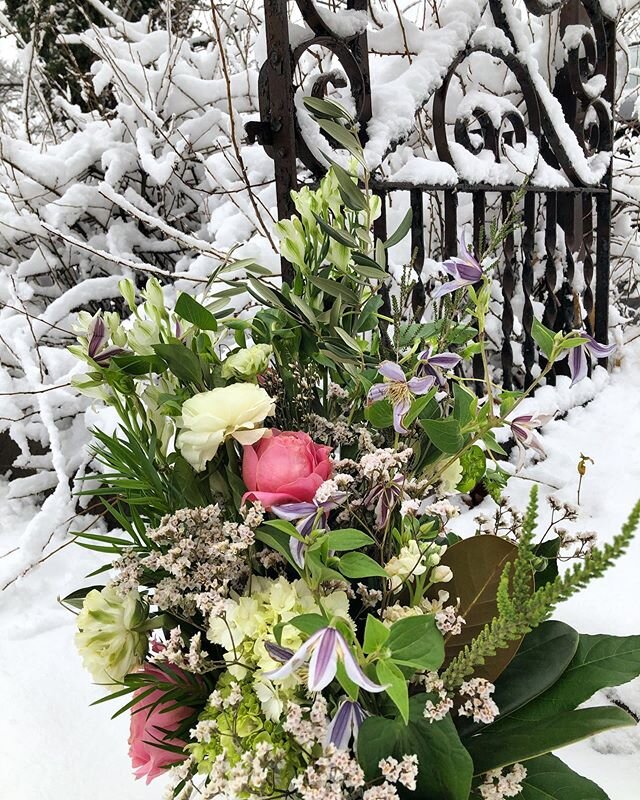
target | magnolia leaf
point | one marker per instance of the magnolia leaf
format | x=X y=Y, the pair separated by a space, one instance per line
x=512 y=741
x=545 y=654
x=599 y=661
x=444 y=766
x=549 y=778
x=477 y=565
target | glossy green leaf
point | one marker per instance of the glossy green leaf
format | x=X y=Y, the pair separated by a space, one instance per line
x=477 y=564
x=513 y=740
x=309 y=623
x=599 y=661
x=544 y=655
x=549 y=778
x=444 y=766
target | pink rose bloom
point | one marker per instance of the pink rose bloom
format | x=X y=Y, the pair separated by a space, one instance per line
x=286 y=467
x=147 y=733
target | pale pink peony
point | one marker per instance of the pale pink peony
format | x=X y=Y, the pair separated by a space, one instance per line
x=148 y=737
x=286 y=467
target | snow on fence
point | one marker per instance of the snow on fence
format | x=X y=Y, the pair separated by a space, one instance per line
x=503 y=99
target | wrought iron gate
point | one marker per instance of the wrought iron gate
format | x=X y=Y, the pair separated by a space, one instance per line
x=566 y=212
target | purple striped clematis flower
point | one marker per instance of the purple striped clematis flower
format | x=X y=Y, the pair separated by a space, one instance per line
x=97 y=338
x=308 y=516
x=325 y=647
x=399 y=391
x=578 y=366
x=346 y=724
x=524 y=431
x=436 y=364
x=384 y=498
x=465 y=271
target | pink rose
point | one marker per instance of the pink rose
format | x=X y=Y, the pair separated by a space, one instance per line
x=149 y=724
x=286 y=467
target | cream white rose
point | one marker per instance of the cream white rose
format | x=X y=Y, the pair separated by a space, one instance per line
x=211 y=417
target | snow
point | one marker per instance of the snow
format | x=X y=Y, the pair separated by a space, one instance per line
x=45 y=693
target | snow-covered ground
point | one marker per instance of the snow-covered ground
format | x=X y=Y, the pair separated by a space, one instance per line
x=53 y=746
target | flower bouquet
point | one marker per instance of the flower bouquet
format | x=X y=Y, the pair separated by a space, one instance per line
x=288 y=610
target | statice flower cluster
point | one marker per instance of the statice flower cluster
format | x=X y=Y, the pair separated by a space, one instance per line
x=479 y=705
x=499 y=784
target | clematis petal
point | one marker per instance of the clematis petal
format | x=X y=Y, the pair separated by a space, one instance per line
x=293 y=511
x=577 y=364
x=353 y=669
x=296 y=660
x=345 y=724
x=421 y=385
x=400 y=408
x=445 y=360
x=377 y=392
x=470 y=273
x=298 y=550
x=447 y=288
x=277 y=652
x=392 y=371
x=597 y=349
x=324 y=661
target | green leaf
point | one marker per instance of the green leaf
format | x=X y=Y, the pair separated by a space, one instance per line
x=380 y=414
x=548 y=551
x=76 y=599
x=599 y=661
x=334 y=288
x=348 y=539
x=391 y=676
x=190 y=309
x=401 y=231
x=349 y=341
x=474 y=466
x=344 y=137
x=549 y=778
x=139 y=365
x=358 y=565
x=418 y=406
x=501 y=745
x=477 y=565
x=343 y=237
x=416 y=642
x=309 y=623
x=319 y=107
x=543 y=657
x=279 y=542
x=444 y=766
x=375 y=634
x=444 y=434
x=464 y=402
x=543 y=337
x=182 y=362
x=351 y=195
